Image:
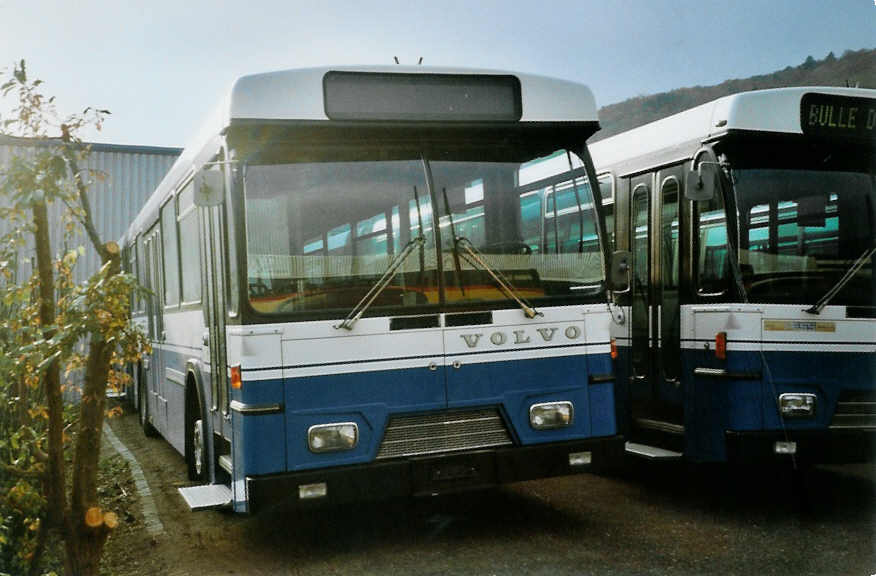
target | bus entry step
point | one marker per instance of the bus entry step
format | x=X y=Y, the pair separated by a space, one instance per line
x=206 y=497
x=652 y=452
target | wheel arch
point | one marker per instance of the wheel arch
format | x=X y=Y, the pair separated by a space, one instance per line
x=195 y=385
x=195 y=397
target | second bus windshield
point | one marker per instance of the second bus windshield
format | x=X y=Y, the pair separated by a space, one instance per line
x=321 y=234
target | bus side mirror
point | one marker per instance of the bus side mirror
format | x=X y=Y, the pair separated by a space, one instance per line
x=209 y=186
x=702 y=182
x=620 y=270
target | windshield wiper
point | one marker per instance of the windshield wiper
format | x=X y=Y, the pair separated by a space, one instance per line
x=850 y=273
x=473 y=257
x=382 y=283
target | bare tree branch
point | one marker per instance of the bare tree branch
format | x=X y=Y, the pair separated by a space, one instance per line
x=87 y=220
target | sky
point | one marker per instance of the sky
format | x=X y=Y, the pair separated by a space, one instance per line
x=160 y=66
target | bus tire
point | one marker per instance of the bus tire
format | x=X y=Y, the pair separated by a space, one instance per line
x=196 y=439
x=143 y=407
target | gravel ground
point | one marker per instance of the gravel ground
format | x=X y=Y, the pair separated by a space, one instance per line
x=647 y=519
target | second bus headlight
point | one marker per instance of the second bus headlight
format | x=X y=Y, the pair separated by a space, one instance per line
x=333 y=437
x=550 y=415
x=797 y=405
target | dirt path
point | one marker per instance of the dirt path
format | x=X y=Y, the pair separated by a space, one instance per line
x=664 y=520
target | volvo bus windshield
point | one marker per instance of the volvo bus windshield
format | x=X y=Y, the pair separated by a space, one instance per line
x=322 y=230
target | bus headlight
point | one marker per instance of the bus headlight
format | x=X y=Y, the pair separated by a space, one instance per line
x=333 y=437
x=797 y=405
x=550 y=415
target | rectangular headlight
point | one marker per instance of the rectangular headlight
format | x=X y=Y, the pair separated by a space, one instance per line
x=333 y=437
x=797 y=405
x=550 y=415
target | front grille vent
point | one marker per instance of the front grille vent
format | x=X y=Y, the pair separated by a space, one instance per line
x=437 y=432
x=855 y=411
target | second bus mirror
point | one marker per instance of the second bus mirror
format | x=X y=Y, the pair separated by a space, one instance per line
x=208 y=188
x=702 y=182
x=620 y=270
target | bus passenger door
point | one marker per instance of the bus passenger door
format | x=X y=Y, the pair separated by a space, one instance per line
x=156 y=407
x=212 y=237
x=656 y=395
x=667 y=321
x=640 y=314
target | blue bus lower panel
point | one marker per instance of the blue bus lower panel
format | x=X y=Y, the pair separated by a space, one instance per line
x=736 y=417
x=718 y=409
x=437 y=474
x=265 y=444
x=271 y=444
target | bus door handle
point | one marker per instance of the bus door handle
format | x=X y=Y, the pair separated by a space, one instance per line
x=703 y=294
x=205 y=338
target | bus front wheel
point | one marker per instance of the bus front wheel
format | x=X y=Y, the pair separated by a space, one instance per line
x=196 y=443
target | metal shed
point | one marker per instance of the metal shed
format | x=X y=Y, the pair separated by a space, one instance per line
x=132 y=173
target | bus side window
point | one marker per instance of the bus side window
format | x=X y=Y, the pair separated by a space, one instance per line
x=231 y=172
x=137 y=271
x=171 y=254
x=130 y=262
x=710 y=224
x=190 y=246
x=606 y=191
x=531 y=219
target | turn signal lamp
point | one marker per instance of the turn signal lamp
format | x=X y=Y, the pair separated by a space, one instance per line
x=613 y=349
x=236 y=381
x=721 y=345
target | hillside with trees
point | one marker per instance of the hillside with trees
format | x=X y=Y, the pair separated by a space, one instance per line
x=854 y=68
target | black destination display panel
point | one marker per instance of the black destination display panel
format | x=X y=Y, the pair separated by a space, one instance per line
x=422 y=97
x=835 y=116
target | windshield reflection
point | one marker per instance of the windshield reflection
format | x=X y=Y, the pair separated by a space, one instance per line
x=320 y=235
x=800 y=230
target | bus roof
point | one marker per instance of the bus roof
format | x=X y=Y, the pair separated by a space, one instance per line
x=297 y=94
x=775 y=110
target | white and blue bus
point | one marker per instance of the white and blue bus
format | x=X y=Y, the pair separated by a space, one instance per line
x=375 y=282
x=743 y=273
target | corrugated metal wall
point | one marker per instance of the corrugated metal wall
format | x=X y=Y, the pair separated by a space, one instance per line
x=131 y=174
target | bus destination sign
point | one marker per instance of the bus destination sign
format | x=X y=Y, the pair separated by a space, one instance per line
x=836 y=116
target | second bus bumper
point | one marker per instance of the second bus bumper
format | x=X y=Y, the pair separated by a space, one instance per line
x=810 y=446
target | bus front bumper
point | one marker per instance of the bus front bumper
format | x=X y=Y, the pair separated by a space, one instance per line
x=832 y=446
x=434 y=474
